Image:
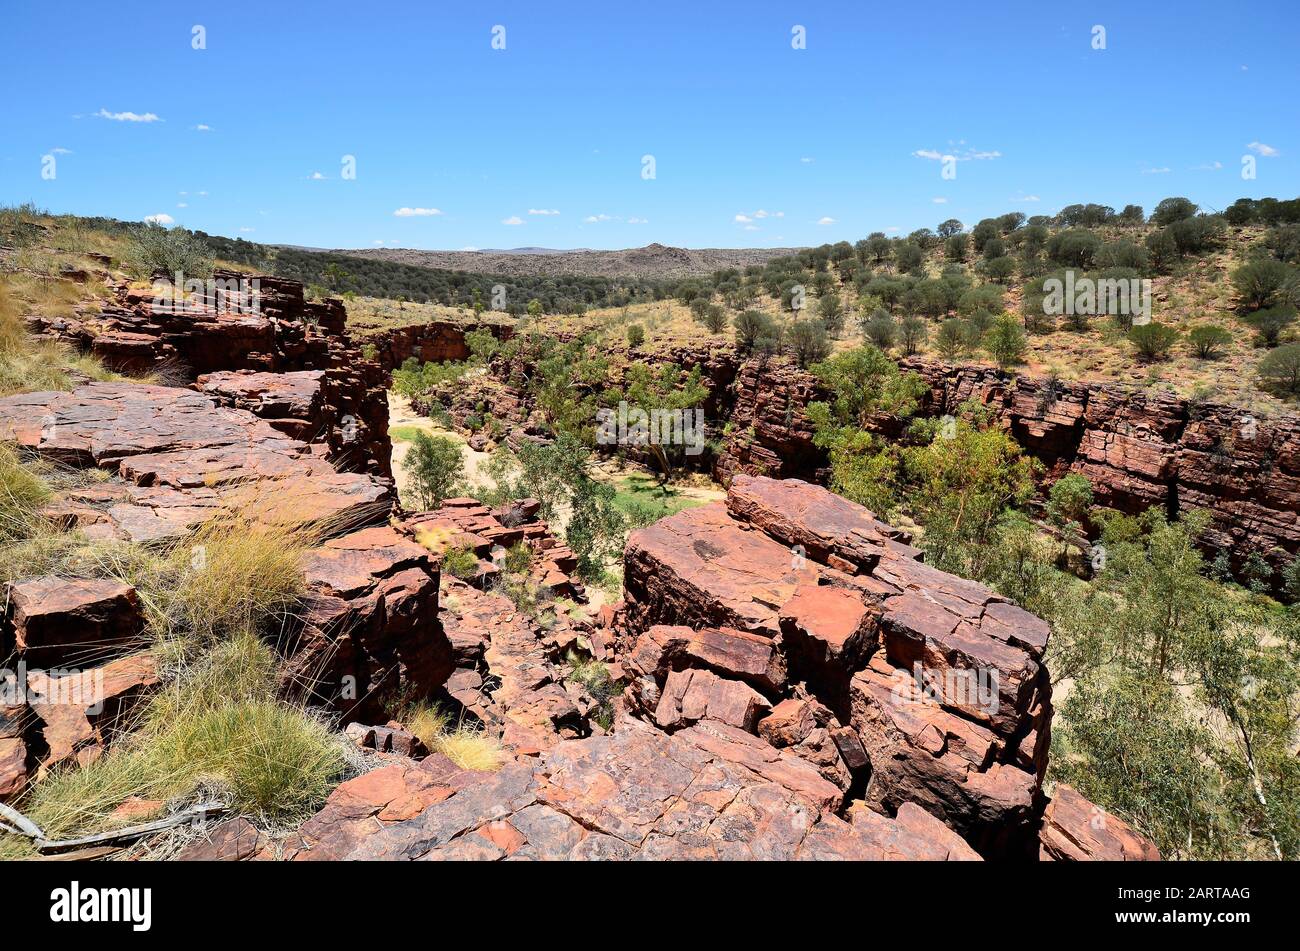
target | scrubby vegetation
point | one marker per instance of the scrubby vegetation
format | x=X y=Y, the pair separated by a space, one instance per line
x=218 y=727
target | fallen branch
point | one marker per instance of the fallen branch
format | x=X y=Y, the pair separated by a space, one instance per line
x=21 y=825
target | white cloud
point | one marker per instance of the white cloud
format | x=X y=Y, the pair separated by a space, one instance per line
x=127 y=116
x=637 y=221
x=751 y=227
x=60 y=151
x=317 y=177
x=743 y=218
x=416 y=212
x=181 y=204
x=1266 y=150
x=247 y=230
x=202 y=128
x=202 y=194
x=1028 y=198
x=1208 y=167
x=594 y=219
x=160 y=220
x=959 y=155
x=543 y=211
x=1156 y=171
x=939 y=201
x=512 y=220
x=807 y=161
x=826 y=220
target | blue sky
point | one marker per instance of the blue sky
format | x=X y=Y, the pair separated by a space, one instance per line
x=829 y=141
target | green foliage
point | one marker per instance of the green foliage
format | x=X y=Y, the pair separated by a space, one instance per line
x=414 y=378
x=1153 y=341
x=1208 y=341
x=435 y=467
x=754 y=330
x=157 y=249
x=1171 y=210
x=715 y=319
x=865 y=382
x=809 y=341
x=1069 y=500
x=635 y=335
x=460 y=561
x=1005 y=341
x=961 y=483
x=1271 y=323
x=22 y=493
x=1280 y=369
x=1260 y=282
x=1075 y=247
x=913 y=332
x=881 y=329
x=952 y=339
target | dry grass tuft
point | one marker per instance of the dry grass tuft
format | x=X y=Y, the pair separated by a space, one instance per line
x=468 y=746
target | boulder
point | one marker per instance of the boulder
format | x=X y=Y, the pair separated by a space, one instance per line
x=1076 y=830
x=692 y=695
x=65 y=621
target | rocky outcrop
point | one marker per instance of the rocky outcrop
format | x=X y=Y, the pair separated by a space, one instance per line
x=921 y=687
x=436 y=341
x=260 y=346
x=797 y=685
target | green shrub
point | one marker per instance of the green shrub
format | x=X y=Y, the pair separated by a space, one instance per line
x=635 y=335
x=1280 y=369
x=1269 y=324
x=157 y=249
x=1153 y=341
x=436 y=468
x=1208 y=341
x=1005 y=341
x=460 y=561
x=1070 y=500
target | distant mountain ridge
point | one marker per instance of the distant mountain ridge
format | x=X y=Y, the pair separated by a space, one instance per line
x=654 y=261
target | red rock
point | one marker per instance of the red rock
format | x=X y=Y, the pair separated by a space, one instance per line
x=1076 y=830
x=390 y=794
x=371 y=625
x=754 y=659
x=13 y=767
x=234 y=840
x=692 y=695
x=828 y=632
x=80 y=711
x=788 y=723
x=58 y=621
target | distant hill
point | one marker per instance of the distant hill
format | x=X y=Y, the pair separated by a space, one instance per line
x=653 y=262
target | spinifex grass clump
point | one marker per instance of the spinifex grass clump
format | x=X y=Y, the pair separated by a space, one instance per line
x=217 y=727
x=466 y=745
x=213 y=600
